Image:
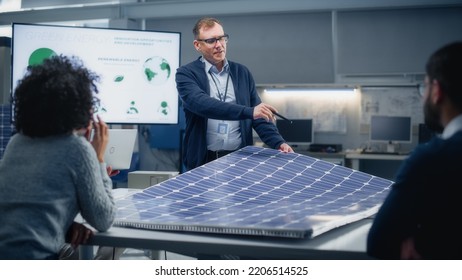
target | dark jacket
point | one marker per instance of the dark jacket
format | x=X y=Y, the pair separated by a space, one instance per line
x=193 y=88
x=424 y=203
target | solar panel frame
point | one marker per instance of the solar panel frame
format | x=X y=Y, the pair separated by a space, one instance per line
x=256 y=191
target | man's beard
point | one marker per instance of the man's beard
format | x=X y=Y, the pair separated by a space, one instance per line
x=432 y=117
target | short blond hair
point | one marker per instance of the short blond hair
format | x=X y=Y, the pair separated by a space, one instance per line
x=205 y=21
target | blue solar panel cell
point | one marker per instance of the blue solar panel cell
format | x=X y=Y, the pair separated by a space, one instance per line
x=6 y=127
x=257 y=191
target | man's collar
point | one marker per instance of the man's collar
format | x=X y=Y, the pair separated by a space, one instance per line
x=452 y=127
x=209 y=66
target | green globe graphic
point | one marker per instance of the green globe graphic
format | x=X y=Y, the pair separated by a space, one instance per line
x=39 y=55
x=156 y=70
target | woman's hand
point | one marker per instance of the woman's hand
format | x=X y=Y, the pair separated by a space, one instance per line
x=100 y=138
x=78 y=234
x=112 y=172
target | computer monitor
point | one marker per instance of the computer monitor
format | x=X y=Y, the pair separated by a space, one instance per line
x=296 y=132
x=390 y=129
x=137 y=67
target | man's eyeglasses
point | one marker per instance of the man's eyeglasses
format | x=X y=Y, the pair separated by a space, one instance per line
x=421 y=87
x=212 y=41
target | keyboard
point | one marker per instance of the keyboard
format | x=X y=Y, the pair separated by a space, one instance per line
x=367 y=152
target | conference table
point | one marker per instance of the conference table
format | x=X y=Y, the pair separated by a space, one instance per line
x=345 y=242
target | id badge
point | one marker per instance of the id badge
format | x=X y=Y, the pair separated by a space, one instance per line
x=222 y=131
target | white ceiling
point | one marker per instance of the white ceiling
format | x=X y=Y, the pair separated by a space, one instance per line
x=311 y=4
x=69 y=10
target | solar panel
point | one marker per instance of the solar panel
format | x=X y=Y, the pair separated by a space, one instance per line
x=256 y=191
x=6 y=127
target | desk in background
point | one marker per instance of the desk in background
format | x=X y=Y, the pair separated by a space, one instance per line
x=337 y=158
x=386 y=165
x=354 y=158
x=381 y=165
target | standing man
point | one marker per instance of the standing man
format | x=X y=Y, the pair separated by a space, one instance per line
x=220 y=101
x=418 y=218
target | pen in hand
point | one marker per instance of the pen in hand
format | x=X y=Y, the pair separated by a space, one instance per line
x=282 y=117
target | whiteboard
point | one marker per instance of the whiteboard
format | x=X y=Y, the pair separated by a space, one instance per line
x=394 y=101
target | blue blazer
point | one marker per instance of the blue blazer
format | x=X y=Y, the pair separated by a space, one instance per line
x=193 y=88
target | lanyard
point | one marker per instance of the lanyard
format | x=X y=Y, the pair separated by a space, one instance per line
x=218 y=90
